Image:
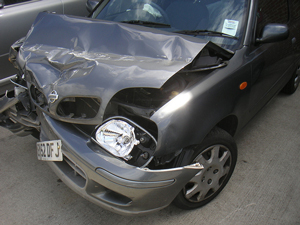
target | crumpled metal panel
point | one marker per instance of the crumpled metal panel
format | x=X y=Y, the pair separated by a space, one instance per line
x=85 y=57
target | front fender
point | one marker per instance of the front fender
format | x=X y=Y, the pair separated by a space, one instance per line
x=190 y=116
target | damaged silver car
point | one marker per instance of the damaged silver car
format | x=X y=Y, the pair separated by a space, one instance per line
x=136 y=106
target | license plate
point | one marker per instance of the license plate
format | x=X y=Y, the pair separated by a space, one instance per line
x=49 y=150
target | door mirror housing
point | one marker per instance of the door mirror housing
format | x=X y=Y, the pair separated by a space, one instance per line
x=273 y=32
x=91 y=4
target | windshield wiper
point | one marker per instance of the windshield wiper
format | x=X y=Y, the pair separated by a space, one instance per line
x=146 y=23
x=205 y=32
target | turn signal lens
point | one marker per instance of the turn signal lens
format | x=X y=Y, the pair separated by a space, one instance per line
x=243 y=85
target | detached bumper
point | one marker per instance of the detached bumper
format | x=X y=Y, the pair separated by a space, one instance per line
x=110 y=182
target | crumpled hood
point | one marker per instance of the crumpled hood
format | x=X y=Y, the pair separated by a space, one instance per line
x=86 y=57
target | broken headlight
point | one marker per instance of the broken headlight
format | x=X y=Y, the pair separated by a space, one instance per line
x=117 y=137
x=125 y=139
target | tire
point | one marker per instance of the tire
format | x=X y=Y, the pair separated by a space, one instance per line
x=292 y=84
x=218 y=154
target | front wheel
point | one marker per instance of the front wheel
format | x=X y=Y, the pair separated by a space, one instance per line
x=218 y=154
x=293 y=84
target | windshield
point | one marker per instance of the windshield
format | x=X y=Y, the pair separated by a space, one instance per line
x=220 y=21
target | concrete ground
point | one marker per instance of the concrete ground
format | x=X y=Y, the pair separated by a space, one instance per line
x=264 y=189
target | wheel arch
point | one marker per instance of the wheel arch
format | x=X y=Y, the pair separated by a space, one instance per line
x=229 y=124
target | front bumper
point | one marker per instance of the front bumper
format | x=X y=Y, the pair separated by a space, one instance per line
x=108 y=181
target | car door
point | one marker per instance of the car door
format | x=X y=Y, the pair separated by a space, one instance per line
x=272 y=63
x=16 y=19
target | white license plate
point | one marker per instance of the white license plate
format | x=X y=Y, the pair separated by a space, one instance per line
x=49 y=150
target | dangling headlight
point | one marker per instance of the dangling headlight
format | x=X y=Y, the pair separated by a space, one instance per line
x=117 y=137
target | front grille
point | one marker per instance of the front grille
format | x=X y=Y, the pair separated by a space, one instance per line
x=78 y=107
x=72 y=171
x=70 y=107
x=77 y=170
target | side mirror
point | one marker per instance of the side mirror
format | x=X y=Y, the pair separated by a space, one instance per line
x=91 y=4
x=273 y=32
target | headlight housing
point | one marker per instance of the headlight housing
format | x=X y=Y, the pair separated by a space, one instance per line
x=117 y=137
x=126 y=139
